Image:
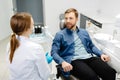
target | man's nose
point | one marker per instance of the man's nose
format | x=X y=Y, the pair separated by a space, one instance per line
x=68 y=20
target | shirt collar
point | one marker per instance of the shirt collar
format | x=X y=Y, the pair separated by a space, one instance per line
x=70 y=31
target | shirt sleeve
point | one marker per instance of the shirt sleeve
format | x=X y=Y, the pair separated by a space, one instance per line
x=41 y=63
x=94 y=49
x=55 y=49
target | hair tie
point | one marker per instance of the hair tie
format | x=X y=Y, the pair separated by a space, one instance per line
x=14 y=34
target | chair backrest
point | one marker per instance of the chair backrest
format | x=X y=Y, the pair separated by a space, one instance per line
x=62 y=24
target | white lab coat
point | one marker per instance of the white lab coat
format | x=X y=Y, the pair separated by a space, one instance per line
x=29 y=62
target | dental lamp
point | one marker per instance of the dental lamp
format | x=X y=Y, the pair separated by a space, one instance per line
x=84 y=18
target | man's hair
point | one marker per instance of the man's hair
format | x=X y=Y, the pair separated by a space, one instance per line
x=72 y=10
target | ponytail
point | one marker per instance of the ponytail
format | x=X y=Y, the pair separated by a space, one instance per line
x=14 y=44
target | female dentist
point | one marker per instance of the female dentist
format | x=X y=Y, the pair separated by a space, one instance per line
x=27 y=60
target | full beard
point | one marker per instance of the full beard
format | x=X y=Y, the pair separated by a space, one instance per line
x=69 y=26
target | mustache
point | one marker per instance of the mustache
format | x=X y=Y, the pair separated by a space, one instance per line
x=70 y=24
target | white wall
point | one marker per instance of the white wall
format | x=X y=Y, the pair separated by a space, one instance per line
x=109 y=9
x=5 y=13
x=55 y=7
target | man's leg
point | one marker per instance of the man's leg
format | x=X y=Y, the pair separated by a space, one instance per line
x=82 y=71
x=102 y=68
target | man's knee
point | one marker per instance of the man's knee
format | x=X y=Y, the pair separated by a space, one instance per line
x=109 y=74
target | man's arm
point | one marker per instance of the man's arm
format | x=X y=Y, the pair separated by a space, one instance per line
x=54 y=53
x=56 y=48
x=96 y=51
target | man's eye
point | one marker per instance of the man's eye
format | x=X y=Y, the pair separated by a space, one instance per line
x=71 y=18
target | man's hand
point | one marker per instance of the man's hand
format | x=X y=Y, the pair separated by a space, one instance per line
x=66 y=66
x=105 y=58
